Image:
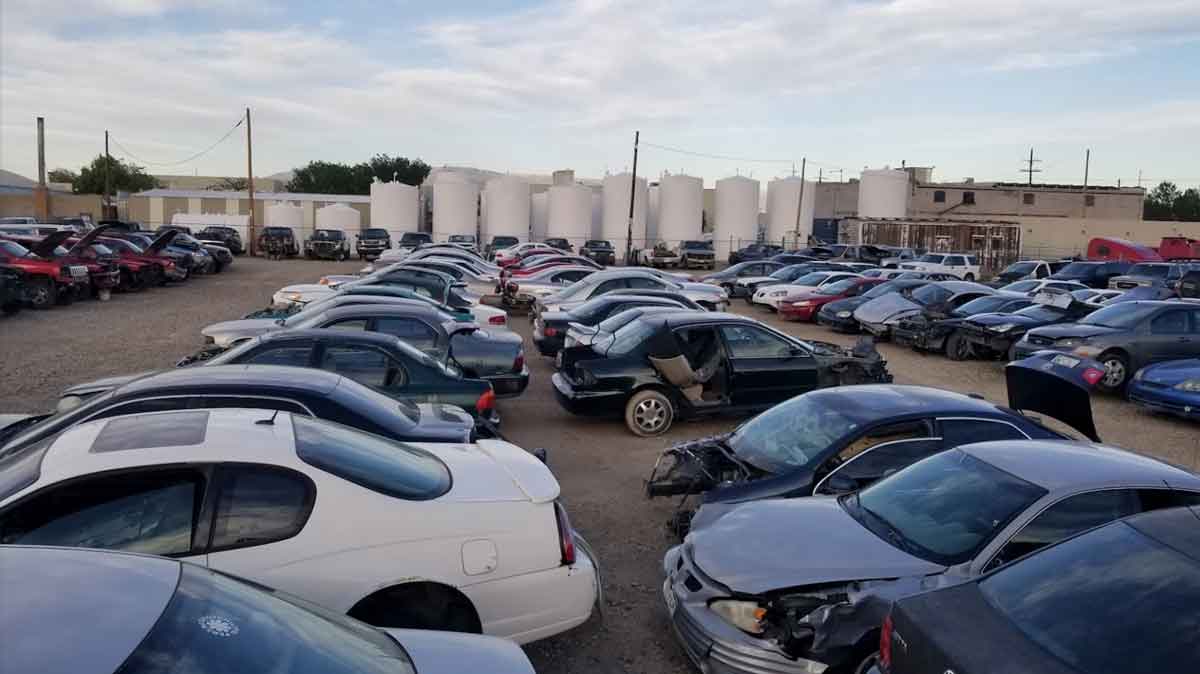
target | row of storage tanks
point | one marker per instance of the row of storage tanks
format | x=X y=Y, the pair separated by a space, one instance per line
x=670 y=211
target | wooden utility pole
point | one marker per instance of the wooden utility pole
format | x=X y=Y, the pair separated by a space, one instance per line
x=1030 y=170
x=800 y=201
x=250 y=184
x=41 y=195
x=632 y=195
x=1087 y=162
x=107 y=179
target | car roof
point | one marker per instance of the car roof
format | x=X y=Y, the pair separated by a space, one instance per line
x=343 y=336
x=1176 y=527
x=869 y=403
x=685 y=317
x=106 y=601
x=430 y=312
x=958 y=287
x=236 y=377
x=1062 y=464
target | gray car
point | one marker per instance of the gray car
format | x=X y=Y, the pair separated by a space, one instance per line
x=1125 y=337
x=802 y=585
x=708 y=296
x=67 y=611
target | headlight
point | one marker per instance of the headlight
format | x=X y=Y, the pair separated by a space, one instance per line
x=778 y=293
x=1189 y=385
x=744 y=615
x=805 y=303
x=1087 y=351
x=295 y=297
x=1070 y=341
x=843 y=314
x=1003 y=327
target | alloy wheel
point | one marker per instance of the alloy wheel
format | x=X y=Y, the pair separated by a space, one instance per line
x=1114 y=373
x=650 y=415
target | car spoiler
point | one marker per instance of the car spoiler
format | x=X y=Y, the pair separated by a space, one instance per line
x=1056 y=385
x=162 y=241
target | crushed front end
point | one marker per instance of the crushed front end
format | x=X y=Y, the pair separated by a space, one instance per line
x=692 y=468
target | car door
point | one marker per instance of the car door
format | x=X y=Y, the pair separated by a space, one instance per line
x=875 y=454
x=413 y=330
x=153 y=510
x=609 y=286
x=1170 y=335
x=293 y=354
x=364 y=363
x=956 y=264
x=643 y=283
x=764 y=367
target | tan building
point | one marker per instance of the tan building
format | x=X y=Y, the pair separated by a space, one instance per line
x=178 y=182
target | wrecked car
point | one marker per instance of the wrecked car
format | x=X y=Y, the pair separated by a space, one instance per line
x=839 y=314
x=680 y=365
x=12 y=289
x=879 y=316
x=937 y=331
x=997 y=334
x=744 y=597
x=837 y=440
x=46 y=282
x=551 y=327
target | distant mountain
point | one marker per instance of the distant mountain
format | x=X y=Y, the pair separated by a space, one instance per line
x=10 y=179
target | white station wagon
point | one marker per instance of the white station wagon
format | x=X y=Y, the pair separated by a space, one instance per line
x=468 y=538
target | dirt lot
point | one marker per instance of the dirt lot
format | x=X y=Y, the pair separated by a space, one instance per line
x=601 y=466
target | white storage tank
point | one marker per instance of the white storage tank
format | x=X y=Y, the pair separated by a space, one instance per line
x=284 y=214
x=680 y=209
x=614 y=218
x=539 y=215
x=394 y=207
x=883 y=193
x=455 y=208
x=507 y=209
x=569 y=214
x=652 y=201
x=782 y=197
x=340 y=217
x=736 y=218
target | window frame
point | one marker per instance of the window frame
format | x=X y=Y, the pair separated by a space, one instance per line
x=1187 y=322
x=1029 y=199
x=794 y=349
x=220 y=479
x=440 y=338
x=934 y=435
x=942 y=433
x=325 y=345
x=968 y=198
x=939 y=196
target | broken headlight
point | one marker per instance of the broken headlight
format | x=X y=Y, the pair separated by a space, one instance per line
x=747 y=616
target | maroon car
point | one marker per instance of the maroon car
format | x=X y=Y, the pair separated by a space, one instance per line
x=103 y=272
x=136 y=272
x=806 y=306
x=47 y=281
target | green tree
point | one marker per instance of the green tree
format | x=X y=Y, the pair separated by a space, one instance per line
x=1160 y=202
x=123 y=177
x=399 y=169
x=62 y=175
x=1186 y=206
x=323 y=177
x=230 y=185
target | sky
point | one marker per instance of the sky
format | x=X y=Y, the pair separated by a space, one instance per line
x=965 y=86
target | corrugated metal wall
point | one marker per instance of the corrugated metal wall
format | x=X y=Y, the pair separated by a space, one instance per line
x=996 y=245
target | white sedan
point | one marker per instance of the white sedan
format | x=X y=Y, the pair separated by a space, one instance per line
x=305 y=293
x=772 y=295
x=467 y=538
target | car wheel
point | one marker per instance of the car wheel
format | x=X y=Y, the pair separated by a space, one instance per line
x=969 y=277
x=1116 y=372
x=867 y=663
x=958 y=348
x=649 y=413
x=42 y=293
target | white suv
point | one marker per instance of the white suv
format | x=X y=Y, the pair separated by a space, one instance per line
x=964 y=266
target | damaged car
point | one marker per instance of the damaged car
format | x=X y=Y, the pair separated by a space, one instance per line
x=997 y=334
x=839 y=314
x=745 y=598
x=938 y=331
x=879 y=316
x=840 y=439
x=665 y=367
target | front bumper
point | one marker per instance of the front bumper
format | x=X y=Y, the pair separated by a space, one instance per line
x=1165 y=399
x=790 y=312
x=832 y=321
x=879 y=330
x=325 y=252
x=587 y=403
x=510 y=385
x=105 y=280
x=691 y=262
x=995 y=342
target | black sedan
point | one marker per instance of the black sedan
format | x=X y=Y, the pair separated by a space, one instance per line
x=938 y=331
x=1125 y=337
x=841 y=439
x=998 y=334
x=839 y=315
x=314 y=393
x=550 y=327
x=755 y=251
x=1118 y=599
x=662 y=367
x=1093 y=274
x=727 y=277
x=599 y=250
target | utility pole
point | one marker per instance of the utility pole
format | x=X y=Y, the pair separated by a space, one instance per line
x=250 y=184
x=41 y=195
x=1087 y=163
x=1030 y=170
x=632 y=195
x=800 y=201
x=820 y=173
x=107 y=173
x=1139 y=178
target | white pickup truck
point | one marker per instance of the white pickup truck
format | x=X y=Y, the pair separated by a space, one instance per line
x=964 y=266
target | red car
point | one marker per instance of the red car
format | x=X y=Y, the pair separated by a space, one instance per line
x=164 y=268
x=47 y=281
x=805 y=307
x=135 y=272
x=103 y=272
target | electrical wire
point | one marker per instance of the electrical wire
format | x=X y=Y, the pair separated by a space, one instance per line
x=186 y=160
x=751 y=160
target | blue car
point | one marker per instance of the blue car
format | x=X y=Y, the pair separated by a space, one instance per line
x=1172 y=387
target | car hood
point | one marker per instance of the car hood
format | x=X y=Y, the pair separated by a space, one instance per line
x=162 y=241
x=101 y=385
x=307 y=292
x=89 y=238
x=1172 y=372
x=847 y=304
x=1075 y=330
x=45 y=247
x=227 y=331
x=434 y=651
x=746 y=552
x=1000 y=319
x=747 y=280
x=701 y=288
x=881 y=309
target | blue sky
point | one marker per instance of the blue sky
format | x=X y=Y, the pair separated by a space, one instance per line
x=964 y=86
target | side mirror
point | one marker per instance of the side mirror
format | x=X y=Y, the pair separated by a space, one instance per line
x=839 y=483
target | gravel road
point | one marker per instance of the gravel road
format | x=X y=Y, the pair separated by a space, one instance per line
x=601 y=466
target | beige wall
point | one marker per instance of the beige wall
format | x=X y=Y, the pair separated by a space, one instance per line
x=1054 y=237
x=1006 y=202
x=61 y=205
x=836 y=200
x=176 y=182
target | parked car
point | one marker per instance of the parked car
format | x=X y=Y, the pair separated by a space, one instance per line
x=203 y=259
x=599 y=336
x=1032 y=287
x=965 y=267
x=499 y=243
x=879 y=316
x=651 y=372
x=537 y=263
x=410 y=241
x=549 y=280
x=614 y=280
x=817 y=596
x=465 y=241
x=997 y=334
x=599 y=250
x=437 y=542
x=136 y=272
x=1142 y=577
x=559 y=243
x=365 y=294
x=1171 y=386
x=550 y=328
x=840 y=439
x=938 y=331
x=103 y=273
x=370 y=243
x=1150 y=274
x=225 y=236
x=281 y=239
x=1097 y=298
x=697 y=254
x=754 y=251
x=805 y=306
x=1023 y=270
x=899 y=255
x=870 y=254
x=319 y=394
x=473 y=271
x=1125 y=337
x=1093 y=274
x=926 y=276
x=163 y=615
x=727 y=277
x=495 y=356
x=47 y=282
x=12 y=289
x=839 y=314
x=747 y=286
x=162 y=267
x=771 y=295
x=329 y=244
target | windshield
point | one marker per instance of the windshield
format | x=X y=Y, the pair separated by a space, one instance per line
x=101 y=249
x=1021 y=286
x=790 y=435
x=1041 y=312
x=931 y=294
x=13 y=248
x=278 y=231
x=982 y=305
x=504 y=241
x=215 y=623
x=327 y=235
x=931 y=258
x=811 y=279
x=1122 y=315
x=700 y=245
x=620 y=319
x=630 y=337
x=944 y=508
x=598 y=244
x=1152 y=270
x=839 y=287
x=374 y=234
x=1019 y=269
x=461 y=238
x=883 y=289
x=789 y=273
x=411 y=237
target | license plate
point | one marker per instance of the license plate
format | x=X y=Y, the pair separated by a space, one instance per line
x=1065 y=361
x=669 y=597
x=558 y=360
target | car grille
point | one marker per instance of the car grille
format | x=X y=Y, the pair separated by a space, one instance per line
x=1126 y=285
x=693 y=637
x=1038 y=340
x=79 y=272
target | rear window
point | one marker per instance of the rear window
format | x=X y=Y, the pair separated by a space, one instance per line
x=381 y=465
x=1113 y=601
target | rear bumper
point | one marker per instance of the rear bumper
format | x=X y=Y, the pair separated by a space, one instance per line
x=587 y=403
x=510 y=385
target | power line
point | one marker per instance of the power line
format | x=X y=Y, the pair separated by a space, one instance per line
x=210 y=148
x=718 y=156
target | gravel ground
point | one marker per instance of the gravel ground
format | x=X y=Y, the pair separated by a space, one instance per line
x=600 y=465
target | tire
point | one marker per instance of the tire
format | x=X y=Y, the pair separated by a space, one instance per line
x=648 y=413
x=42 y=293
x=10 y=308
x=1116 y=372
x=958 y=348
x=1012 y=353
x=968 y=277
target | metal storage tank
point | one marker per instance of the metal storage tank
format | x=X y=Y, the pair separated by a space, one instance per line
x=614 y=217
x=539 y=215
x=569 y=214
x=782 y=197
x=455 y=208
x=680 y=209
x=341 y=217
x=394 y=207
x=736 y=218
x=507 y=208
x=652 y=202
x=883 y=193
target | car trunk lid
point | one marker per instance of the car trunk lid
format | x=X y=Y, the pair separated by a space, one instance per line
x=521 y=476
x=1056 y=385
x=45 y=247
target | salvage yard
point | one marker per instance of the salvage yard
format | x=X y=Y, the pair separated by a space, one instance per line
x=600 y=465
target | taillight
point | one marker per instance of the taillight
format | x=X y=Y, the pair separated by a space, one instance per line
x=1092 y=375
x=566 y=535
x=487 y=400
x=549 y=331
x=519 y=362
x=885 y=643
x=498 y=320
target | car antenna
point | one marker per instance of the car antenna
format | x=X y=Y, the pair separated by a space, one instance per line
x=268 y=422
